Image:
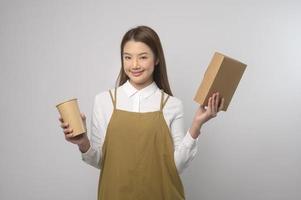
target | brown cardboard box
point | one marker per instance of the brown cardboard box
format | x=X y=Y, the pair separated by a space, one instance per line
x=222 y=75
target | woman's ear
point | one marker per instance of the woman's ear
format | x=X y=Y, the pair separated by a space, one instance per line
x=157 y=62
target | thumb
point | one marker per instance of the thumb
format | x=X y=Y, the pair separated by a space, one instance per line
x=83 y=116
x=202 y=108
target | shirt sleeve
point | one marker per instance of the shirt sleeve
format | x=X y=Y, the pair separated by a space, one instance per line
x=94 y=153
x=185 y=147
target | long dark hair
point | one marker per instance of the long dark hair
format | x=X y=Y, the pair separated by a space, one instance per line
x=149 y=37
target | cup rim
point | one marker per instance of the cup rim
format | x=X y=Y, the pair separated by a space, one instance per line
x=66 y=101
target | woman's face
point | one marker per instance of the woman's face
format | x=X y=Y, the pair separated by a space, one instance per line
x=139 y=63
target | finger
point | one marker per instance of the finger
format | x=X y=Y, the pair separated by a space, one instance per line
x=212 y=105
x=61 y=119
x=68 y=131
x=64 y=125
x=69 y=136
x=222 y=104
x=216 y=100
x=83 y=116
x=202 y=108
x=209 y=107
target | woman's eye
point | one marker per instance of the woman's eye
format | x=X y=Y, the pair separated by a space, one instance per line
x=143 y=57
x=127 y=57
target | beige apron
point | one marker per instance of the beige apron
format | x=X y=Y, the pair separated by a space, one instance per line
x=138 y=158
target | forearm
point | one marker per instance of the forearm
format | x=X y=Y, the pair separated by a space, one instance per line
x=185 y=152
x=92 y=155
x=195 y=130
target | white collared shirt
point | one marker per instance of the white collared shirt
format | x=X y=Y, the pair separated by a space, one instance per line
x=145 y=100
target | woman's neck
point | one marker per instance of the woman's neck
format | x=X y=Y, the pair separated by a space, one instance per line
x=141 y=86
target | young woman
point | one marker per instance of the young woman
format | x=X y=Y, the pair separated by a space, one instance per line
x=137 y=133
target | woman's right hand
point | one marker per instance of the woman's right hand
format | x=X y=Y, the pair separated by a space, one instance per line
x=79 y=139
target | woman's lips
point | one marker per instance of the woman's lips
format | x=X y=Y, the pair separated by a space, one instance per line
x=137 y=73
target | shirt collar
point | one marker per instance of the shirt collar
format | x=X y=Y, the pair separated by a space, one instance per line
x=130 y=90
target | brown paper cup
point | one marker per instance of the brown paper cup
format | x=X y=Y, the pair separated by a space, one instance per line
x=69 y=111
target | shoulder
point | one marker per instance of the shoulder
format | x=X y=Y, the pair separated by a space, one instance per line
x=103 y=98
x=172 y=100
x=104 y=95
x=174 y=105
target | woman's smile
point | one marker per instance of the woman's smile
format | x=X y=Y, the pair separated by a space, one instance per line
x=137 y=73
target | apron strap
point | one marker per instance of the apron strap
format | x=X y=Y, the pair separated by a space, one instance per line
x=115 y=95
x=163 y=103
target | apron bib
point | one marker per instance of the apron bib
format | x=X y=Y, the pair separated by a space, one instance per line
x=138 y=157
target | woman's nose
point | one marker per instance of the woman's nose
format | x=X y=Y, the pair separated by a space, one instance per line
x=135 y=62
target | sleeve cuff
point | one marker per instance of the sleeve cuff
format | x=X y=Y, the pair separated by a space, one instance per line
x=87 y=154
x=189 y=141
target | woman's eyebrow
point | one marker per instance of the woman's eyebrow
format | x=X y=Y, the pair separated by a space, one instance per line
x=138 y=54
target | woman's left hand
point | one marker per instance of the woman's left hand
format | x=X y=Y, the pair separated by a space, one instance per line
x=204 y=114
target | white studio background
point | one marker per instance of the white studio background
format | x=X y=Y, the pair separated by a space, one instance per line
x=53 y=50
